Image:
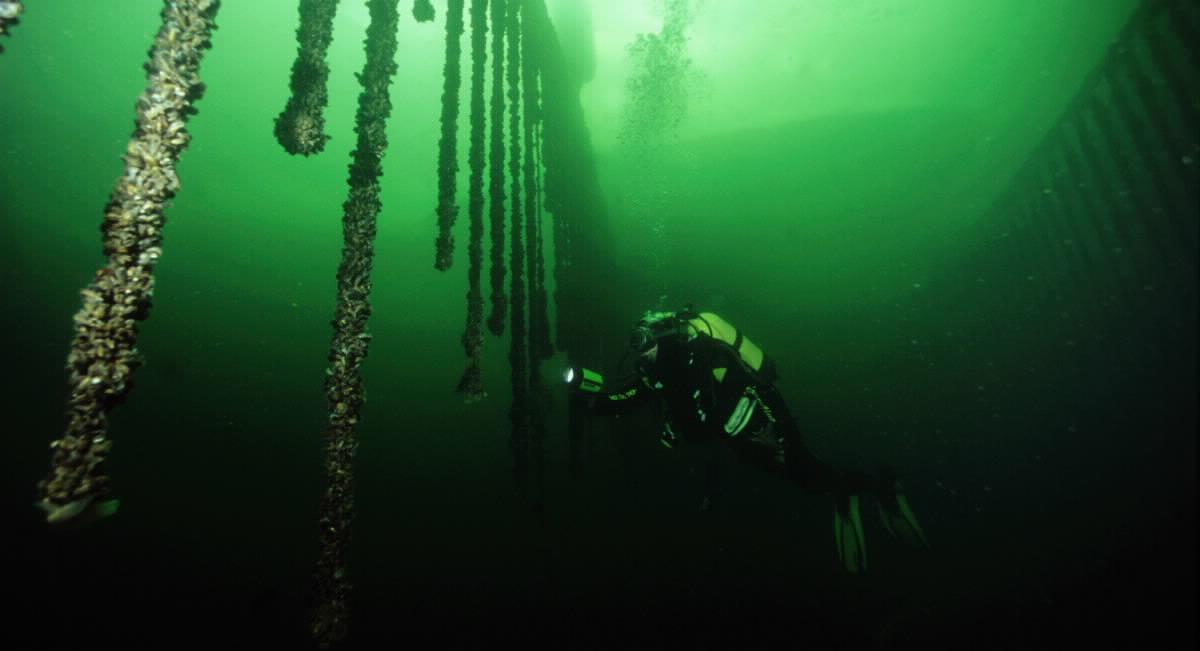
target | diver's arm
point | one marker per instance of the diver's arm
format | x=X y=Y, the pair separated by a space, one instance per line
x=632 y=391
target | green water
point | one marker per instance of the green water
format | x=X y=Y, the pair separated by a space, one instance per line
x=828 y=188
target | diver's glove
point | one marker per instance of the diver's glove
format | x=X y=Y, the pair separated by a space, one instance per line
x=896 y=514
x=848 y=534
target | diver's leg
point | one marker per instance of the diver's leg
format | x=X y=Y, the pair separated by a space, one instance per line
x=815 y=475
x=846 y=486
x=808 y=470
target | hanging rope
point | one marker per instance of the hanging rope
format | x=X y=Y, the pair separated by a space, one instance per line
x=348 y=350
x=471 y=384
x=518 y=355
x=301 y=126
x=558 y=199
x=496 y=169
x=102 y=359
x=447 y=210
x=539 y=320
x=541 y=312
x=529 y=107
x=538 y=397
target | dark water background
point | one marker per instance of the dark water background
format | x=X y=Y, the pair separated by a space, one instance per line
x=1036 y=389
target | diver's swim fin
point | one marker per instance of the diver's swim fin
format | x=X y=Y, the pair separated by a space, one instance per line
x=898 y=518
x=848 y=534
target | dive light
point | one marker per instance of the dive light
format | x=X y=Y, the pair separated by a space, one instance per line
x=583 y=379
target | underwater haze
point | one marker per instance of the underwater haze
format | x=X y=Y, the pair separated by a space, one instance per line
x=966 y=233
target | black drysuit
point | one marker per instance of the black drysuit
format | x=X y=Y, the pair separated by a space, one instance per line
x=744 y=408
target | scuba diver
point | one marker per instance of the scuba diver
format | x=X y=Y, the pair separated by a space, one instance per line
x=715 y=382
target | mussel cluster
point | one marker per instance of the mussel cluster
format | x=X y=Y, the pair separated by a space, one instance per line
x=351 y=341
x=423 y=11
x=10 y=10
x=300 y=129
x=103 y=354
